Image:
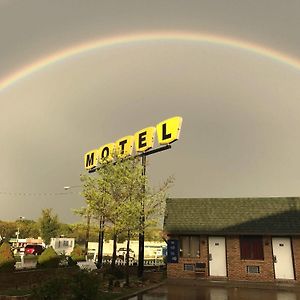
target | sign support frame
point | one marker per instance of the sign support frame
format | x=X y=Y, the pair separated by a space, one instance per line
x=142 y=233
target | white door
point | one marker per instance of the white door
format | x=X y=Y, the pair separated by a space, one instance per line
x=282 y=256
x=217 y=256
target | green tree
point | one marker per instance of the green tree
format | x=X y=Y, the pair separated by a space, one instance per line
x=28 y=228
x=78 y=231
x=121 y=193
x=154 y=233
x=65 y=229
x=86 y=213
x=7 y=230
x=49 y=225
x=7 y=261
x=109 y=191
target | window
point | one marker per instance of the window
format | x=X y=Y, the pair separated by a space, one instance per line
x=66 y=243
x=252 y=247
x=188 y=267
x=253 y=269
x=194 y=246
x=189 y=246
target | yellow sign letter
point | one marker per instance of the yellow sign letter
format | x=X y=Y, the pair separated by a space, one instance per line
x=168 y=131
x=91 y=159
x=144 y=139
x=124 y=146
x=106 y=153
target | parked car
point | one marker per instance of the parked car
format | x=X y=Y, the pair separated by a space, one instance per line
x=34 y=249
x=121 y=253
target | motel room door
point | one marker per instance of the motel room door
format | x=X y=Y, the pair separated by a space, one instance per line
x=282 y=257
x=217 y=256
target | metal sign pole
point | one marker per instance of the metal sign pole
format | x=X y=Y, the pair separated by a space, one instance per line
x=100 y=242
x=142 y=224
x=142 y=233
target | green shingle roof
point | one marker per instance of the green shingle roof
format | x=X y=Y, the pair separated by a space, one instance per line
x=233 y=216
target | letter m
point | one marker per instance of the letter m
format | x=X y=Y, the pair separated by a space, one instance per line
x=89 y=160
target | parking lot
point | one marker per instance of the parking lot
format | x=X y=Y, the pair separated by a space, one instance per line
x=219 y=292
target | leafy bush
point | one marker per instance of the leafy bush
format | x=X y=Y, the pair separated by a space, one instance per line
x=51 y=290
x=77 y=254
x=48 y=259
x=71 y=262
x=7 y=261
x=116 y=272
x=84 y=285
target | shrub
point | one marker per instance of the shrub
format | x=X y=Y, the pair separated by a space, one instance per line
x=84 y=285
x=77 y=254
x=48 y=259
x=7 y=261
x=52 y=289
x=116 y=272
x=71 y=262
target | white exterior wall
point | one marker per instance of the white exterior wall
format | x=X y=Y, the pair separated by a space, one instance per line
x=151 y=250
x=63 y=245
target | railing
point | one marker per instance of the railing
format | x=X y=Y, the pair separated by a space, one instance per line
x=132 y=262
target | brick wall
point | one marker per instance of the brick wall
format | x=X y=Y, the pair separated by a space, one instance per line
x=296 y=256
x=237 y=268
x=177 y=270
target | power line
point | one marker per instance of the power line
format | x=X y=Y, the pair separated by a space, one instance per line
x=35 y=194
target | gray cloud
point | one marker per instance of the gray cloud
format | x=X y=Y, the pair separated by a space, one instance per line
x=239 y=135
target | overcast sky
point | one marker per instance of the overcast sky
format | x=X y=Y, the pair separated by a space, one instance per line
x=240 y=132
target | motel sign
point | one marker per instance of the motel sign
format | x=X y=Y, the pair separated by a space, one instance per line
x=167 y=132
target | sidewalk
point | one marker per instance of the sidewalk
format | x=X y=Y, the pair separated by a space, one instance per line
x=280 y=285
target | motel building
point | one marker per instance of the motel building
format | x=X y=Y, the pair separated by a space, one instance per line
x=254 y=239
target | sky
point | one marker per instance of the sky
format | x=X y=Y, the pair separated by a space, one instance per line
x=237 y=91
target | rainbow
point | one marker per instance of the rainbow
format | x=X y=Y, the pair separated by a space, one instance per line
x=146 y=37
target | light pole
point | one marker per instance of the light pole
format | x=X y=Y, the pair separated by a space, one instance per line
x=67 y=187
x=18 y=232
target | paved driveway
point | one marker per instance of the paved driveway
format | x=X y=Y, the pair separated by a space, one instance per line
x=196 y=292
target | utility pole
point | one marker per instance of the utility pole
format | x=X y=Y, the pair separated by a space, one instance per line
x=18 y=232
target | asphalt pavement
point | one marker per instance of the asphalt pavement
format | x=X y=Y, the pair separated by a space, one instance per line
x=210 y=290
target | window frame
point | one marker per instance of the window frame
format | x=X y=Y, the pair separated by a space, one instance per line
x=251 y=247
x=187 y=253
